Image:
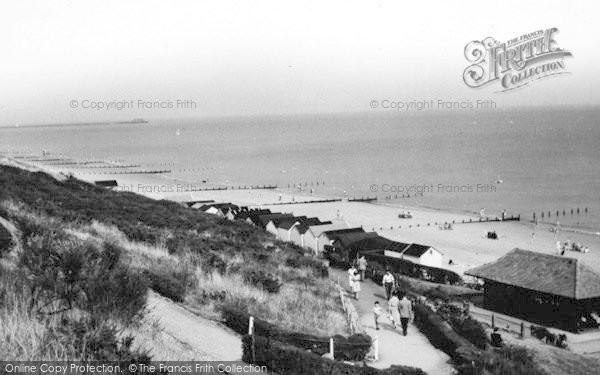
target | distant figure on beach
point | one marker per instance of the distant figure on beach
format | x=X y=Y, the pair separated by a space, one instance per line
x=406 y=312
x=356 y=285
x=377 y=314
x=280 y=197
x=388 y=283
x=558 y=246
x=482 y=212
x=362 y=267
x=393 y=305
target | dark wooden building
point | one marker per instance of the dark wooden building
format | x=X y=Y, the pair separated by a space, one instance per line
x=551 y=290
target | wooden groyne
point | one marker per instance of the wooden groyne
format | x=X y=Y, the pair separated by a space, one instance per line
x=303 y=202
x=361 y=199
x=548 y=215
x=494 y=219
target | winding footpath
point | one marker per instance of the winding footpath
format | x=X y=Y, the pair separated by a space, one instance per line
x=394 y=349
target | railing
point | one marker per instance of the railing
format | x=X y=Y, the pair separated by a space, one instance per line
x=500 y=322
x=355 y=326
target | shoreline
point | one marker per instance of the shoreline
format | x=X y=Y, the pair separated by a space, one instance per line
x=466 y=245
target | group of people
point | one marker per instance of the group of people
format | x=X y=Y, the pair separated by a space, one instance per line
x=570 y=246
x=400 y=309
x=356 y=274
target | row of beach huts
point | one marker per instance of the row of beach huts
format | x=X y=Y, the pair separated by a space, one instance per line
x=320 y=236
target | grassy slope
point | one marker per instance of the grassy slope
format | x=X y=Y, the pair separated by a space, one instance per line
x=209 y=258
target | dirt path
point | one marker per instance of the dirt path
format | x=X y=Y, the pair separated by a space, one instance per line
x=174 y=333
x=394 y=348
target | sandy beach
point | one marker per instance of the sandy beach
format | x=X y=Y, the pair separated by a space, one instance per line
x=466 y=244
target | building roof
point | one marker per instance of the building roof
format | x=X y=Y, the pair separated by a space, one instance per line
x=416 y=250
x=244 y=214
x=372 y=243
x=346 y=237
x=319 y=229
x=264 y=219
x=551 y=274
x=224 y=207
x=306 y=224
x=398 y=247
x=287 y=222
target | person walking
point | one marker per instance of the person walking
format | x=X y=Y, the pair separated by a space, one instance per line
x=405 y=311
x=376 y=314
x=388 y=283
x=362 y=267
x=356 y=284
x=393 y=308
x=351 y=272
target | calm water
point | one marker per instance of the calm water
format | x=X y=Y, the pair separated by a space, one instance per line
x=546 y=159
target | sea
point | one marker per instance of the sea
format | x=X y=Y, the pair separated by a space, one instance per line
x=522 y=161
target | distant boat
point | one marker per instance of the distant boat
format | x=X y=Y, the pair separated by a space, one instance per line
x=499 y=180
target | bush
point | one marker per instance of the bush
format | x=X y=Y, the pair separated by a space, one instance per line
x=513 y=360
x=441 y=334
x=464 y=324
x=354 y=347
x=287 y=359
x=97 y=341
x=5 y=240
x=68 y=273
x=171 y=285
x=264 y=281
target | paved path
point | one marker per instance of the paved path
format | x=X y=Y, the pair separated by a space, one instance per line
x=394 y=348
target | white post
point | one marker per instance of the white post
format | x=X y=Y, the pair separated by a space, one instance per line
x=251 y=326
x=376 y=347
x=331 y=347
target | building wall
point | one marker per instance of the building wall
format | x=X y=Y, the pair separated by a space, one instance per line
x=392 y=254
x=271 y=228
x=310 y=241
x=296 y=237
x=541 y=308
x=283 y=234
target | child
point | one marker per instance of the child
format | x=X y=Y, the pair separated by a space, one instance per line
x=377 y=314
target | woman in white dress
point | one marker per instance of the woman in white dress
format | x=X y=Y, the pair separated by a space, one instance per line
x=356 y=284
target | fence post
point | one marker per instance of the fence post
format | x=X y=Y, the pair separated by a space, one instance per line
x=252 y=341
x=493 y=323
x=331 y=347
x=522 y=330
x=376 y=347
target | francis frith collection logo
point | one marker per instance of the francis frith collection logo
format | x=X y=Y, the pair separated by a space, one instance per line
x=515 y=63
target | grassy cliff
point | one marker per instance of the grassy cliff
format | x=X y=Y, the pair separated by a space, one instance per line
x=88 y=255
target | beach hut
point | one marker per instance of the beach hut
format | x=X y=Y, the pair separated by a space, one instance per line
x=274 y=225
x=264 y=219
x=547 y=289
x=314 y=239
x=424 y=255
x=298 y=230
x=106 y=183
x=197 y=204
x=251 y=215
x=219 y=209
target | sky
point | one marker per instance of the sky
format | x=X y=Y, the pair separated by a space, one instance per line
x=236 y=58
